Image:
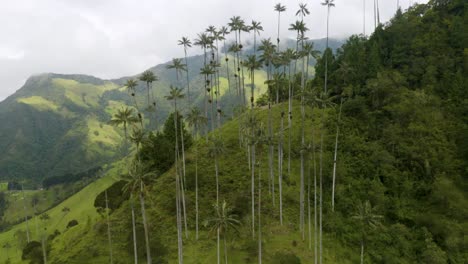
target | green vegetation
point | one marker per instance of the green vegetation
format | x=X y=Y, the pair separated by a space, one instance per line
x=364 y=162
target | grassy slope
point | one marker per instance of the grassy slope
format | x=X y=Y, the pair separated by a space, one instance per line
x=81 y=209
x=234 y=188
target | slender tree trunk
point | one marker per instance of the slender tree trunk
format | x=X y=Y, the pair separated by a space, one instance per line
x=270 y=155
x=335 y=155
x=259 y=215
x=35 y=219
x=183 y=181
x=218 y=254
x=28 y=237
x=225 y=250
x=362 y=251
x=109 y=229
x=302 y=198
x=321 y=189
x=280 y=169
x=145 y=225
x=217 y=179
x=364 y=17
x=178 y=190
x=253 y=190
x=135 y=249
x=196 y=193
x=289 y=122
x=188 y=80
x=44 y=251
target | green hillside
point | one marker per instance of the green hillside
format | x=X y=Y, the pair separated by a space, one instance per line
x=370 y=166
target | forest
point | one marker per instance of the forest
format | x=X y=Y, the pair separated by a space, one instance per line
x=361 y=158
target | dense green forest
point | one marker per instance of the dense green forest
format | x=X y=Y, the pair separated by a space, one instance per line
x=363 y=159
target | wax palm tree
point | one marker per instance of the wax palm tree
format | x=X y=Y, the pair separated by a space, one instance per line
x=329 y=4
x=136 y=179
x=186 y=43
x=131 y=85
x=137 y=137
x=109 y=237
x=310 y=51
x=287 y=56
x=44 y=218
x=216 y=149
x=368 y=220
x=148 y=77
x=178 y=67
x=252 y=64
x=223 y=32
x=223 y=221
x=253 y=130
x=175 y=94
x=195 y=120
x=256 y=27
x=279 y=8
x=124 y=117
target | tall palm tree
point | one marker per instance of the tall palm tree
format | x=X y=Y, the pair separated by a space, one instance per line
x=222 y=223
x=268 y=50
x=148 y=77
x=131 y=85
x=136 y=179
x=252 y=64
x=109 y=237
x=195 y=119
x=216 y=150
x=256 y=27
x=223 y=32
x=178 y=67
x=253 y=130
x=287 y=56
x=44 y=218
x=186 y=43
x=329 y=4
x=367 y=221
x=175 y=94
x=279 y=8
x=124 y=117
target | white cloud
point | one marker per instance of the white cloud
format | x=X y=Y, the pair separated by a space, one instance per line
x=114 y=38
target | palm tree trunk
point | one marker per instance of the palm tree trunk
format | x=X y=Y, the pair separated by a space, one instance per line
x=196 y=192
x=259 y=215
x=253 y=190
x=217 y=179
x=25 y=215
x=135 y=249
x=109 y=229
x=334 y=158
x=44 y=251
x=362 y=251
x=218 y=254
x=364 y=17
x=242 y=70
x=321 y=189
x=289 y=122
x=225 y=250
x=280 y=169
x=302 y=198
x=145 y=225
x=270 y=156
x=178 y=188
x=183 y=181
x=188 y=81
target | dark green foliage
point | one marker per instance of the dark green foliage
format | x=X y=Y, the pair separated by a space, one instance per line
x=115 y=195
x=14 y=186
x=286 y=258
x=3 y=204
x=70 y=178
x=33 y=252
x=72 y=223
x=157 y=150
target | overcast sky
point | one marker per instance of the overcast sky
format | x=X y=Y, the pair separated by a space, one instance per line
x=115 y=38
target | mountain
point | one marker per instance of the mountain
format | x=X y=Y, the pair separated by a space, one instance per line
x=401 y=184
x=57 y=124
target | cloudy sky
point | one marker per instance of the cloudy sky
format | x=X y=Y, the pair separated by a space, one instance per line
x=115 y=38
